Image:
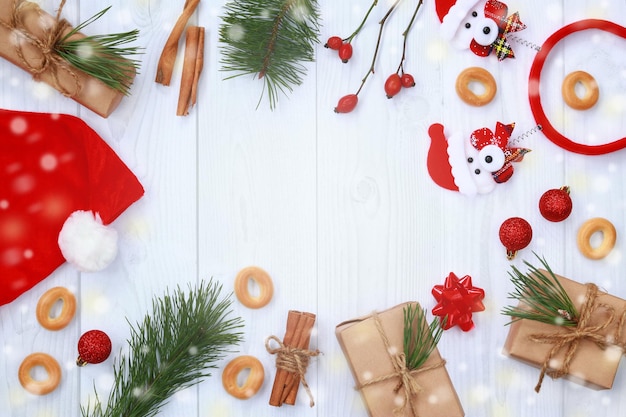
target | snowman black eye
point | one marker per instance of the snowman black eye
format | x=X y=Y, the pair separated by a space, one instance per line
x=477 y=171
x=467 y=26
x=474 y=13
x=489 y=159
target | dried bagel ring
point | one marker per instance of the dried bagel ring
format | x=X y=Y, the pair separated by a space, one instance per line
x=40 y=387
x=481 y=76
x=568 y=89
x=47 y=301
x=264 y=282
x=591 y=226
x=253 y=382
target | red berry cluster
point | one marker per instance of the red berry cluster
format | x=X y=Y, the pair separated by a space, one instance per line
x=343 y=48
x=395 y=82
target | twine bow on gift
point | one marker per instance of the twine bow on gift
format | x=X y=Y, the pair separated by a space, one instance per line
x=293 y=360
x=47 y=46
x=406 y=376
x=572 y=336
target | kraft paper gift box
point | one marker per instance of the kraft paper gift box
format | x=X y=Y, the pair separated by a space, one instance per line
x=592 y=365
x=369 y=359
x=86 y=90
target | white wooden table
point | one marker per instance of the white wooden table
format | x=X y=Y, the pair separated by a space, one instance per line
x=339 y=209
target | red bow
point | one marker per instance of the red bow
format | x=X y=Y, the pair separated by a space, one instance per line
x=497 y=11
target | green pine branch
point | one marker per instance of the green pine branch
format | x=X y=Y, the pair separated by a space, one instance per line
x=172 y=349
x=420 y=338
x=541 y=297
x=104 y=57
x=270 y=39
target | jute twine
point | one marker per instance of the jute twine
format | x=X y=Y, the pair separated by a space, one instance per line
x=47 y=45
x=572 y=336
x=293 y=360
x=406 y=376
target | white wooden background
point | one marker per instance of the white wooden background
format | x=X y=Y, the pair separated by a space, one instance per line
x=339 y=209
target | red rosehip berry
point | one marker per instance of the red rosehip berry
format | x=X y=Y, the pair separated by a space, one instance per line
x=556 y=205
x=94 y=346
x=393 y=85
x=347 y=103
x=408 y=81
x=515 y=234
x=345 y=52
x=334 y=42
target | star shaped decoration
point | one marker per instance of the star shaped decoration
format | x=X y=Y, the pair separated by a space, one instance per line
x=456 y=300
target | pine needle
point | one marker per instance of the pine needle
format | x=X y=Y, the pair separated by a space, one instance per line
x=419 y=339
x=172 y=349
x=542 y=297
x=104 y=57
x=270 y=39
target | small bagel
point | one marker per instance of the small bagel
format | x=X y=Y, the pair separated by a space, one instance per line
x=37 y=387
x=264 y=282
x=591 y=226
x=47 y=301
x=253 y=382
x=568 y=89
x=481 y=76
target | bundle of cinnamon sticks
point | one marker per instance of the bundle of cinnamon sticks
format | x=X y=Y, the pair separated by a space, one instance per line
x=297 y=339
x=192 y=62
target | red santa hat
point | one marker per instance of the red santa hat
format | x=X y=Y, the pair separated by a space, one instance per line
x=447 y=161
x=452 y=13
x=60 y=185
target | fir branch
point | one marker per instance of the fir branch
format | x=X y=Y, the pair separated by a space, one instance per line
x=172 y=349
x=270 y=39
x=542 y=297
x=419 y=339
x=104 y=57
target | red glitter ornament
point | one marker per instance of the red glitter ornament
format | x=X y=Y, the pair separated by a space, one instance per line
x=515 y=234
x=94 y=346
x=556 y=205
x=457 y=299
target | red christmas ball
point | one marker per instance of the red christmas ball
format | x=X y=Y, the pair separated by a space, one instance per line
x=94 y=346
x=515 y=234
x=556 y=205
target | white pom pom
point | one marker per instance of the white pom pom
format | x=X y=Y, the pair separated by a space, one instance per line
x=86 y=243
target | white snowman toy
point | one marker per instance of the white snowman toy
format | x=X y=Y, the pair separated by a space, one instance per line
x=481 y=26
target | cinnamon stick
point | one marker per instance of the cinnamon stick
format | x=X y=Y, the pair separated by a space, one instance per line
x=293 y=381
x=165 y=66
x=297 y=335
x=293 y=321
x=192 y=65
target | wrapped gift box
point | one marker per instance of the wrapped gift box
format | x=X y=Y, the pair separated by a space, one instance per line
x=93 y=94
x=591 y=364
x=369 y=359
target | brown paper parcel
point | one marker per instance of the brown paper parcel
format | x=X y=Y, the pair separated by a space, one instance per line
x=369 y=359
x=86 y=90
x=591 y=365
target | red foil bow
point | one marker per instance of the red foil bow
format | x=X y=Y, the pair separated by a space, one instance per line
x=457 y=299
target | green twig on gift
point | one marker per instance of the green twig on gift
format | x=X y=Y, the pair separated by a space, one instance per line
x=541 y=297
x=172 y=349
x=270 y=39
x=104 y=57
x=420 y=338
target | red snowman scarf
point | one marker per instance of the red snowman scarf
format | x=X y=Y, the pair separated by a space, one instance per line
x=51 y=165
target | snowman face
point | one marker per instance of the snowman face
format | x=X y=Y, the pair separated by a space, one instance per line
x=476 y=26
x=480 y=169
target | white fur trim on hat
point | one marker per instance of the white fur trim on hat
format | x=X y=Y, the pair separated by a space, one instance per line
x=86 y=243
x=457 y=13
x=458 y=162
